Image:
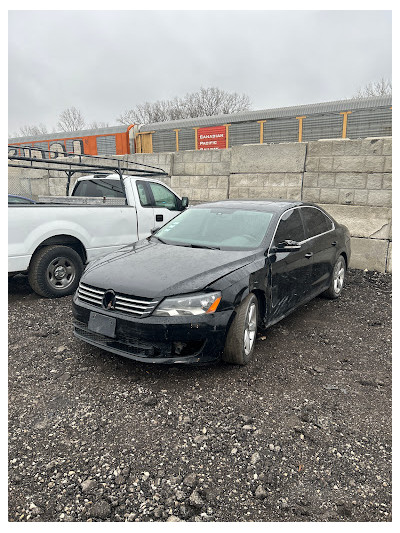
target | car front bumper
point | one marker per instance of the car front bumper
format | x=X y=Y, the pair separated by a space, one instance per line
x=183 y=339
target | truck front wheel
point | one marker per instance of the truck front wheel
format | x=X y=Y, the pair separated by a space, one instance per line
x=55 y=271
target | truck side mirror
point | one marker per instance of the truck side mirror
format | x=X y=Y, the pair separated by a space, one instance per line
x=184 y=202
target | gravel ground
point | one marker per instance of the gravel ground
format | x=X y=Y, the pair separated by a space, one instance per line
x=303 y=433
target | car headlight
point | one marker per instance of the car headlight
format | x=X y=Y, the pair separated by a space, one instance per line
x=189 y=304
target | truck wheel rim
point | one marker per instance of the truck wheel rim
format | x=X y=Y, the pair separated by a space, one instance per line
x=250 y=328
x=60 y=273
x=338 y=277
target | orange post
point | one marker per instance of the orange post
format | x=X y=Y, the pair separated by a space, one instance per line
x=300 y=119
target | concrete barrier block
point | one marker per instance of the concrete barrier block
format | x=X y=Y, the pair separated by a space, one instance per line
x=258 y=193
x=293 y=180
x=312 y=164
x=329 y=196
x=199 y=182
x=372 y=146
x=276 y=179
x=310 y=179
x=348 y=164
x=380 y=198
x=199 y=194
x=387 y=181
x=326 y=179
x=178 y=168
x=346 y=196
x=217 y=194
x=352 y=147
x=387 y=167
x=351 y=180
x=293 y=193
x=389 y=259
x=387 y=146
x=374 y=181
x=374 y=163
x=365 y=222
x=311 y=195
x=325 y=164
x=368 y=254
x=261 y=158
x=319 y=148
x=279 y=192
x=360 y=197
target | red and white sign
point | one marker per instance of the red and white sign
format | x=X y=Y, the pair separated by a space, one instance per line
x=213 y=138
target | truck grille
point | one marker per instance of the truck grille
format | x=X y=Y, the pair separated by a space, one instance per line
x=131 y=305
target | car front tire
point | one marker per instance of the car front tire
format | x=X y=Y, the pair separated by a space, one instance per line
x=241 y=338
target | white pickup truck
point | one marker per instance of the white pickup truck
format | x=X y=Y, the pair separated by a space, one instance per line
x=52 y=241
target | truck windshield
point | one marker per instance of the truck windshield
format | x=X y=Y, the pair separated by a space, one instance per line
x=216 y=227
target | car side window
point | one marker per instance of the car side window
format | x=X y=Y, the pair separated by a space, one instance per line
x=290 y=227
x=163 y=197
x=143 y=195
x=315 y=221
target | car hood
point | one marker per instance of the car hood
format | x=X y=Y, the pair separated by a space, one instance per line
x=155 y=270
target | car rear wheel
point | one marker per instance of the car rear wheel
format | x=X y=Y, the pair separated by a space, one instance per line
x=55 y=271
x=337 y=280
x=241 y=338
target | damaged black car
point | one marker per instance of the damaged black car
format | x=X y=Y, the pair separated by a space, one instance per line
x=199 y=288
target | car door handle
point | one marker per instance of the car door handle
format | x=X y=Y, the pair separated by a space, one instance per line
x=334 y=243
x=159 y=218
x=310 y=254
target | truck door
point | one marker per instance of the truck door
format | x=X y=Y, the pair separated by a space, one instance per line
x=166 y=205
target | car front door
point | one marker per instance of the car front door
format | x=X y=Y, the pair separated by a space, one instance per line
x=290 y=270
x=320 y=234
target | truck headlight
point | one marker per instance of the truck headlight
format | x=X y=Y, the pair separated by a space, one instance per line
x=189 y=304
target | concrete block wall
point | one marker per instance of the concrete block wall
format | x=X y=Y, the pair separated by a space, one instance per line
x=349 y=172
x=351 y=179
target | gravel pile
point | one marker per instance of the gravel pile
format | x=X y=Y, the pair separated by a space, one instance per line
x=303 y=433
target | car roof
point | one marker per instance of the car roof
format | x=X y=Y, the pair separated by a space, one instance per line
x=275 y=205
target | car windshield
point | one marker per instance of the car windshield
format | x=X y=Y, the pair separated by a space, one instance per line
x=217 y=227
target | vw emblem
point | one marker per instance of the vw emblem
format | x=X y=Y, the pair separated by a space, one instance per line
x=109 y=300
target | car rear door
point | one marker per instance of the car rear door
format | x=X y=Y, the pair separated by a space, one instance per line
x=320 y=234
x=290 y=271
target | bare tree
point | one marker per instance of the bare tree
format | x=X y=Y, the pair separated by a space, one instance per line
x=97 y=125
x=30 y=130
x=205 y=102
x=71 y=119
x=383 y=87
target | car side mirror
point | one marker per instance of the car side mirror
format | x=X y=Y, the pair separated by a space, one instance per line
x=286 y=246
x=184 y=202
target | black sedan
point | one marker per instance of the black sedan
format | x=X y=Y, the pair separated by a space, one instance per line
x=198 y=289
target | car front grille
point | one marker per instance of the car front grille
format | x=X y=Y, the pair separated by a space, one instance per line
x=131 y=305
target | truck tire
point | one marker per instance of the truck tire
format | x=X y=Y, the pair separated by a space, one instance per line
x=55 y=271
x=241 y=338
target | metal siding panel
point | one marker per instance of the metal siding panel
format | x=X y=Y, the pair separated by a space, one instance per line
x=281 y=130
x=370 y=123
x=322 y=127
x=164 y=141
x=244 y=133
x=106 y=145
x=187 y=139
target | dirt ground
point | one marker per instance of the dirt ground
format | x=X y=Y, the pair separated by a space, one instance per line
x=303 y=433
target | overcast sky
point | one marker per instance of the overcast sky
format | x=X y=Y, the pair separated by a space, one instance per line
x=104 y=62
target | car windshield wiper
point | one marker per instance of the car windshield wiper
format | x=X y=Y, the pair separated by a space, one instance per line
x=158 y=238
x=205 y=246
